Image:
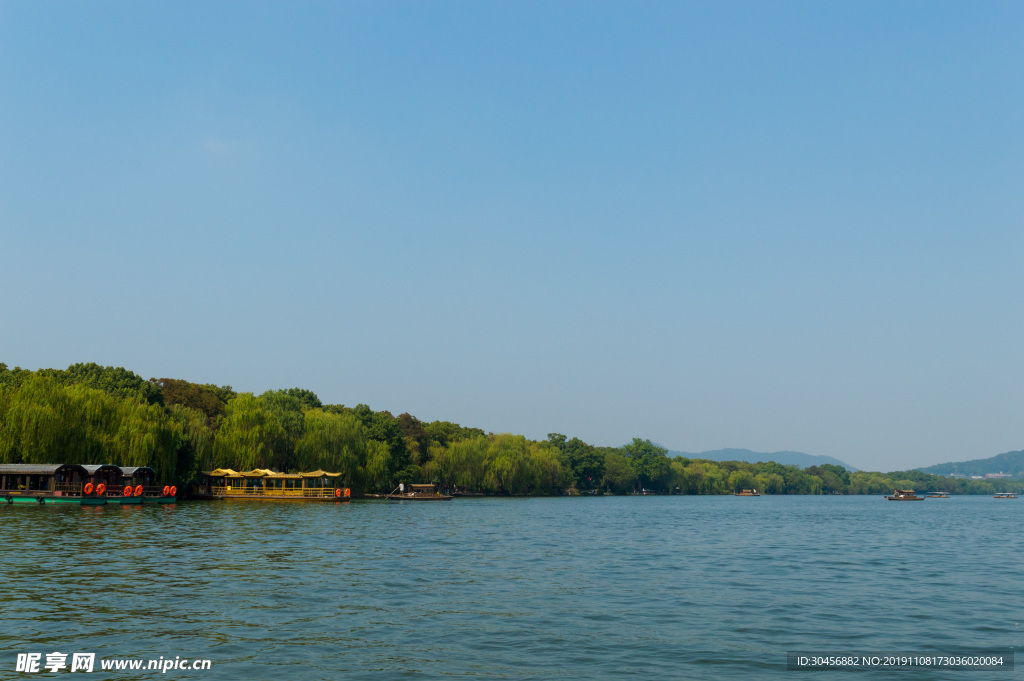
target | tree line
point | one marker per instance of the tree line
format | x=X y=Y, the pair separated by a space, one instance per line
x=91 y=414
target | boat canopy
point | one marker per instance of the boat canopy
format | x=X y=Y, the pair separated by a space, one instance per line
x=223 y=473
x=265 y=473
x=132 y=471
x=94 y=469
x=28 y=468
x=40 y=468
x=421 y=487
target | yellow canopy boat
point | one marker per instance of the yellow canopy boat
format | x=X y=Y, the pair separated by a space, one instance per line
x=265 y=484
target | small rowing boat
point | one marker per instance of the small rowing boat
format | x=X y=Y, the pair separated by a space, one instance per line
x=418 y=493
x=904 y=495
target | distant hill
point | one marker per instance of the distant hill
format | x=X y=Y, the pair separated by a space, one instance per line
x=1009 y=462
x=785 y=458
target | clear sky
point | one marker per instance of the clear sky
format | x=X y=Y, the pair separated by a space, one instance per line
x=771 y=225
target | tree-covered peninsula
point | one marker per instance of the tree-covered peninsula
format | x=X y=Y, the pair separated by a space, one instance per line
x=93 y=414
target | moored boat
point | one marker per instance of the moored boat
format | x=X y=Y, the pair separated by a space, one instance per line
x=1005 y=495
x=747 y=493
x=418 y=493
x=89 y=485
x=904 y=495
x=936 y=495
x=267 y=485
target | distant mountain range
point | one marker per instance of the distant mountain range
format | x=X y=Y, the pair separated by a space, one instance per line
x=785 y=458
x=1009 y=462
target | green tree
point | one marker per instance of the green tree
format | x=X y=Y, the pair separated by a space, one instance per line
x=208 y=399
x=116 y=381
x=509 y=465
x=648 y=462
x=308 y=398
x=581 y=460
x=740 y=480
x=618 y=476
x=334 y=443
x=247 y=435
x=287 y=411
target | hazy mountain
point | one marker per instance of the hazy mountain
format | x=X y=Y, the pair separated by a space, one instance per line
x=1009 y=462
x=785 y=458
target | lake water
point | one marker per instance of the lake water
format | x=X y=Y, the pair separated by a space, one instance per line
x=592 y=588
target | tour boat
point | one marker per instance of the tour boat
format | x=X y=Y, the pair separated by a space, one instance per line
x=266 y=485
x=1005 y=495
x=747 y=493
x=418 y=493
x=904 y=495
x=88 y=485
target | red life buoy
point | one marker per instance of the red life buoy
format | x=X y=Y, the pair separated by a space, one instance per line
x=337 y=492
x=127 y=490
x=100 y=489
x=138 y=490
x=167 y=491
x=88 y=488
x=174 y=491
x=348 y=492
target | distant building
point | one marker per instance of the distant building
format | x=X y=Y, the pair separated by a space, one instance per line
x=1000 y=474
x=977 y=477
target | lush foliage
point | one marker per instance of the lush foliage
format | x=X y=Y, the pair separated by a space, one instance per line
x=93 y=414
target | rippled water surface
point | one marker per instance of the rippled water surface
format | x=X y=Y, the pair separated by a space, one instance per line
x=596 y=588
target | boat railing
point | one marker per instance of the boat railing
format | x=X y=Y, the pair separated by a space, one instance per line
x=309 y=492
x=68 y=487
x=147 y=491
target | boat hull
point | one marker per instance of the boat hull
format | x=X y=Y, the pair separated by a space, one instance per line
x=404 y=497
x=269 y=497
x=44 y=500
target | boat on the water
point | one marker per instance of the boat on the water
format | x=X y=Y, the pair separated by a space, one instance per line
x=747 y=493
x=936 y=495
x=88 y=485
x=266 y=485
x=418 y=493
x=1005 y=495
x=904 y=495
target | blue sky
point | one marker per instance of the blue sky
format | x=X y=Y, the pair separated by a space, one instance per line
x=792 y=225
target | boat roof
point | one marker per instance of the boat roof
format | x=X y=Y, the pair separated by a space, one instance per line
x=266 y=473
x=38 y=468
x=93 y=469
x=131 y=471
x=320 y=474
x=223 y=473
x=420 y=486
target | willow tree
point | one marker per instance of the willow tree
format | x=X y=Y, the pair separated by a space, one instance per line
x=467 y=462
x=334 y=443
x=146 y=437
x=195 y=449
x=36 y=424
x=377 y=471
x=287 y=411
x=510 y=468
x=551 y=476
x=246 y=437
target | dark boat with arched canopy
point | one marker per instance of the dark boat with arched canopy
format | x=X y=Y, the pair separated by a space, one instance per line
x=88 y=485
